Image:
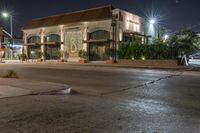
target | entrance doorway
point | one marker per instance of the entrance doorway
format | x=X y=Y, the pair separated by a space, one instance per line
x=52 y=52
x=33 y=50
x=99 y=45
x=99 y=51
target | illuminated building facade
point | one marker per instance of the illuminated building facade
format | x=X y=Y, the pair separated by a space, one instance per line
x=97 y=31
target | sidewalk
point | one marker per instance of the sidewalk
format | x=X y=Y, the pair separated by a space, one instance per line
x=132 y=66
x=21 y=87
x=102 y=64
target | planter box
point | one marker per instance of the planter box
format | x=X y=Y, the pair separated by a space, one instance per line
x=60 y=60
x=169 y=63
x=110 y=62
x=82 y=61
x=40 y=60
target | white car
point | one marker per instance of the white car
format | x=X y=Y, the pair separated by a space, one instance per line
x=194 y=59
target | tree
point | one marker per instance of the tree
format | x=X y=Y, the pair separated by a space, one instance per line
x=185 y=41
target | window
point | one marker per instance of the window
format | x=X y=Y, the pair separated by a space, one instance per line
x=34 y=39
x=52 y=38
x=99 y=35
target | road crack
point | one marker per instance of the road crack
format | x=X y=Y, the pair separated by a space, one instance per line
x=142 y=85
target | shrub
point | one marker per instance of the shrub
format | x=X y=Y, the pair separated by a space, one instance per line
x=10 y=74
x=22 y=57
x=137 y=50
x=82 y=54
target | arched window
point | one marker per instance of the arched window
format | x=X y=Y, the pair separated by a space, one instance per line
x=99 y=35
x=52 y=38
x=34 y=39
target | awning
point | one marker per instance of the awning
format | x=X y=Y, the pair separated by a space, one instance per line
x=45 y=43
x=93 y=41
x=135 y=34
x=50 y=43
x=31 y=44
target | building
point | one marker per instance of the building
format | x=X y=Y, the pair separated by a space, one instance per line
x=17 y=46
x=98 y=31
x=5 y=49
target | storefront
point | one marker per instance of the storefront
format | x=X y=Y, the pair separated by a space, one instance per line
x=33 y=51
x=52 y=47
x=52 y=51
x=99 y=45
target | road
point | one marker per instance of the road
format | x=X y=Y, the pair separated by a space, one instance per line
x=110 y=100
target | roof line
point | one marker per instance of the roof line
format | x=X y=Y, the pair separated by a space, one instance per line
x=63 y=24
x=75 y=12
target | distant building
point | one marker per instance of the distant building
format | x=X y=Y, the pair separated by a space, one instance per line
x=98 y=31
x=17 y=46
x=7 y=49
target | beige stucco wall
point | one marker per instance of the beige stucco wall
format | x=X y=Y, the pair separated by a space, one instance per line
x=130 y=22
x=63 y=30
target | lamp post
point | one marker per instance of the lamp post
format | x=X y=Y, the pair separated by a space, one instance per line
x=6 y=15
x=151 y=28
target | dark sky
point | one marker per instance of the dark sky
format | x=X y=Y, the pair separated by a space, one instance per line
x=173 y=13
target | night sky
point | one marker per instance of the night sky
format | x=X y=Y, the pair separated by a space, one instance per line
x=173 y=14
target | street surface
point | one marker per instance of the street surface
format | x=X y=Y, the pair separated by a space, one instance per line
x=109 y=100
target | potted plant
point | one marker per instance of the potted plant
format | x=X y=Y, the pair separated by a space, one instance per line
x=60 y=54
x=83 y=56
x=22 y=57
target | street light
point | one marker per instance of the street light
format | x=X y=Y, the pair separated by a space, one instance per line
x=152 y=21
x=6 y=15
x=151 y=27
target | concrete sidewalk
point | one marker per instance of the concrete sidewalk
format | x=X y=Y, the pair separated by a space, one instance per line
x=20 y=87
x=133 y=66
x=103 y=64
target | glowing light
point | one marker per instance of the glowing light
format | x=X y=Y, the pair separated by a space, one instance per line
x=132 y=58
x=166 y=37
x=152 y=21
x=5 y=14
x=143 y=58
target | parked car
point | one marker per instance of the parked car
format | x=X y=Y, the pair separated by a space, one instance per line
x=195 y=55
x=194 y=59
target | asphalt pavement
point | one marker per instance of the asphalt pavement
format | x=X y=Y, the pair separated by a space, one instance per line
x=110 y=100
